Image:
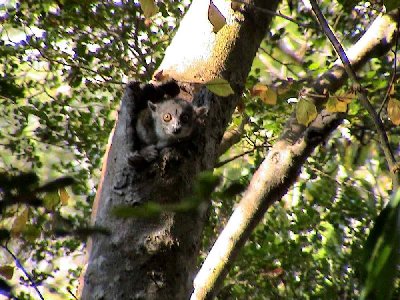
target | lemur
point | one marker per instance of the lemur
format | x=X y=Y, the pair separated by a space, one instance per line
x=164 y=121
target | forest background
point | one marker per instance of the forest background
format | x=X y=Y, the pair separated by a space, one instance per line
x=63 y=68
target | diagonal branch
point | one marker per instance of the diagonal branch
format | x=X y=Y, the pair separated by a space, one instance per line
x=284 y=161
x=19 y=265
x=232 y=136
x=384 y=141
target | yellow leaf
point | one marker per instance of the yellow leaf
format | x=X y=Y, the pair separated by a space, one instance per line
x=346 y=98
x=64 y=196
x=20 y=222
x=392 y=90
x=220 y=87
x=306 y=112
x=265 y=93
x=215 y=17
x=149 y=8
x=258 y=89
x=393 y=110
x=334 y=104
x=7 y=271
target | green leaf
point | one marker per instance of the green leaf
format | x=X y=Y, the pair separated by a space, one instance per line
x=205 y=184
x=148 y=210
x=32 y=110
x=31 y=232
x=306 y=111
x=220 y=87
x=348 y=4
x=391 y=4
x=381 y=253
x=203 y=187
x=51 y=199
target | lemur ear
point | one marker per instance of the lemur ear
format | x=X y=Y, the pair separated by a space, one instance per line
x=156 y=93
x=201 y=111
x=152 y=106
x=170 y=88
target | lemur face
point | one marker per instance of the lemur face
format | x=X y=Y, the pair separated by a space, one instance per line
x=174 y=118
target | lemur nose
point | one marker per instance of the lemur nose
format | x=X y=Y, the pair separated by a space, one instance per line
x=177 y=130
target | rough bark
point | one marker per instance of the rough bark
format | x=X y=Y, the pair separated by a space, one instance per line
x=284 y=161
x=155 y=258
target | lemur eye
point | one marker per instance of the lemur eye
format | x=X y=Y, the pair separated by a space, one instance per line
x=167 y=117
x=184 y=118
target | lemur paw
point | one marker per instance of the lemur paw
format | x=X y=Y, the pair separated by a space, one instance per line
x=149 y=153
x=135 y=158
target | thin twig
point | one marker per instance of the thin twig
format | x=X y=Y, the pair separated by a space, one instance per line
x=228 y=160
x=287 y=65
x=349 y=183
x=392 y=79
x=72 y=294
x=232 y=136
x=361 y=92
x=106 y=79
x=19 y=265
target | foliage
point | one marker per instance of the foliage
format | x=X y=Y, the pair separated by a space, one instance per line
x=62 y=67
x=381 y=253
x=310 y=244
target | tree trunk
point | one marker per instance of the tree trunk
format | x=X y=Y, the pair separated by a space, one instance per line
x=155 y=258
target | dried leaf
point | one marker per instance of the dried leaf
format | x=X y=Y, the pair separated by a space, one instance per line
x=306 y=111
x=266 y=94
x=7 y=271
x=220 y=87
x=258 y=89
x=149 y=7
x=215 y=17
x=20 y=222
x=160 y=76
x=393 y=110
x=237 y=6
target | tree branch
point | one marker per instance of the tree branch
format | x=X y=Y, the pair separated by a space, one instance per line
x=232 y=136
x=384 y=141
x=228 y=160
x=283 y=163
